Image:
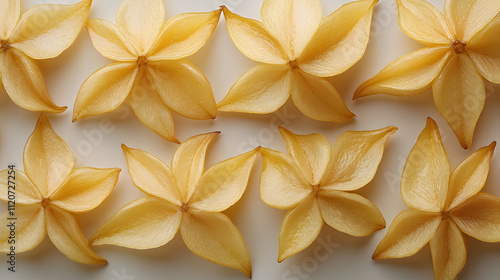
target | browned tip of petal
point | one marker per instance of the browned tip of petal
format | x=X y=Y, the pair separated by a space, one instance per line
x=493 y=145
x=226 y=11
x=125 y=148
x=431 y=122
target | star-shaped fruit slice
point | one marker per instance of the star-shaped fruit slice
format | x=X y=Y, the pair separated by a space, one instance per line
x=298 y=48
x=43 y=32
x=47 y=194
x=184 y=198
x=444 y=205
x=462 y=47
x=149 y=71
x=315 y=183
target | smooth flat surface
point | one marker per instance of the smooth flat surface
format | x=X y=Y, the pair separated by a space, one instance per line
x=343 y=256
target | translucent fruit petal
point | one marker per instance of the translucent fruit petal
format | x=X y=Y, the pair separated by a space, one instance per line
x=424 y=22
x=151 y=175
x=29 y=228
x=105 y=90
x=311 y=152
x=142 y=20
x=350 y=213
x=65 y=233
x=449 y=251
x=318 y=99
x=145 y=223
x=409 y=232
x=424 y=183
x=183 y=35
x=25 y=191
x=183 y=88
x=292 y=22
x=10 y=11
x=342 y=37
x=261 y=90
x=85 y=189
x=188 y=162
x=459 y=95
x=300 y=228
x=45 y=31
x=215 y=238
x=469 y=177
x=223 y=184
x=468 y=17
x=408 y=75
x=282 y=183
x=110 y=41
x=48 y=161
x=479 y=217
x=253 y=40
x=484 y=50
x=24 y=83
x=355 y=158
x=150 y=109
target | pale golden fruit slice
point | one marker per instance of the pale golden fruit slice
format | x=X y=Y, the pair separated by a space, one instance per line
x=30 y=228
x=64 y=231
x=460 y=95
x=292 y=23
x=485 y=53
x=342 y=37
x=47 y=159
x=409 y=232
x=266 y=84
x=312 y=182
x=424 y=22
x=186 y=198
x=293 y=37
x=41 y=39
x=479 y=217
x=469 y=177
x=350 y=213
x=427 y=159
x=10 y=11
x=282 y=183
x=461 y=49
x=24 y=83
x=145 y=223
x=44 y=31
x=253 y=39
x=150 y=70
x=220 y=241
x=449 y=251
x=183 y=35
x=445 y=206
x=105 y=90
x=355 y=159
x=300 y=227
x=49 y=192
x=148 y=107
x=407 y=75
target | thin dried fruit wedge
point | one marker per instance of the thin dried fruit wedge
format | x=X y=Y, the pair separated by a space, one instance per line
x=315 y=183
x=444 y=205
x=150 y=70
x=47 y=193
x=184 y=198
x=43 y=32
x=462 y=47
x=297 y=48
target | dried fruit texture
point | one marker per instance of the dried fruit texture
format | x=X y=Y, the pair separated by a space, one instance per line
x=461 y=48
x=44 y=31
x=444 y=205
x=315 y=184
x=297 y=49
x=47 y=193
x=150 y=70
x=185 y=198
